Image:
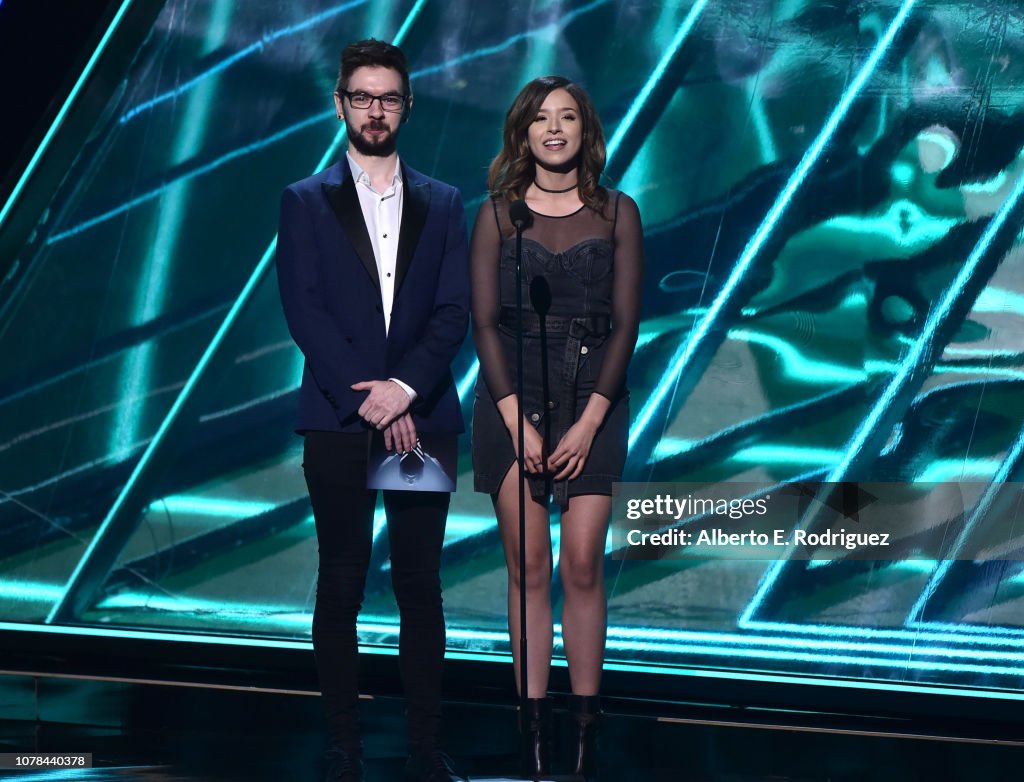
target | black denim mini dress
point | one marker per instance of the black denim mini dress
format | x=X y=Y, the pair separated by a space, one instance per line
x=581 y=294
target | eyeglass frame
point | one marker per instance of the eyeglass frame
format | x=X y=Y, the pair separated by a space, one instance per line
x=379 y=98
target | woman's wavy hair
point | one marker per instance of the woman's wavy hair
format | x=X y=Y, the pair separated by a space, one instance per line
x=513 y=170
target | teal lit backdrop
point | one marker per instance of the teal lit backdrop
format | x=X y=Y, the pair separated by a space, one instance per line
x=832 y=198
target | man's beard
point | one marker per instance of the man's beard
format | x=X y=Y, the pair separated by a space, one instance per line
x=382 y=148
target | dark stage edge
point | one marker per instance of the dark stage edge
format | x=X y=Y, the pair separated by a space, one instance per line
x=200 y=731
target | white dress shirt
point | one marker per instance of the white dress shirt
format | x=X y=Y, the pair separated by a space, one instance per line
x=382 y=214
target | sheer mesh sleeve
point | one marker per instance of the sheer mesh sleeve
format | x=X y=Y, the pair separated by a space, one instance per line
x=628 y=270
x=485 y=265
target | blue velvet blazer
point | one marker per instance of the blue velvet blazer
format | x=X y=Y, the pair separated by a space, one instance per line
x=332 y=300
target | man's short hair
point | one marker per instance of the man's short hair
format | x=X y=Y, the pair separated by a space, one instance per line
x=372 y=53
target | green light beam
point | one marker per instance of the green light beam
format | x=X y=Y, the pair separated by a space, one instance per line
x=62 y=114
x=659 y=70
x=687 y=350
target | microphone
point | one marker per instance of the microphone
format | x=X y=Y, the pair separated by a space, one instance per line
x=519 y=213
x=540 y=295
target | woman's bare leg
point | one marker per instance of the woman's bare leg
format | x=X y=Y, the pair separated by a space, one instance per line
x=581 y=567
x=538 y=580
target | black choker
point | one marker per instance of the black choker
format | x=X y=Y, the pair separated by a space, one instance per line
x=546 y=190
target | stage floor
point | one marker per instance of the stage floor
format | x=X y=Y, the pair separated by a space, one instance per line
x=159 y=732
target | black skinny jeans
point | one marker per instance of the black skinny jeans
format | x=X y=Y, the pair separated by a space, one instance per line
x=335 y=468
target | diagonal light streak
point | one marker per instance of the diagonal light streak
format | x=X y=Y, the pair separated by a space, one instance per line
x=904 y=375
x=687 y=350
x=1009 y=465
x=156 y=192
x=260 y=45
x=410 y=19
x=165 y=426
x=64 y=109
x=550 y=29
x=328 y=115
x=929 y=331
x=241 y=54
x=464 y=385
x=161 y=251
x=656 y=75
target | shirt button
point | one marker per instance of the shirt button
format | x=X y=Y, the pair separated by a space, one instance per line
x=385 y=236
x=389 y=274
x=584 y=350
x=551 y=404
x=535 y=417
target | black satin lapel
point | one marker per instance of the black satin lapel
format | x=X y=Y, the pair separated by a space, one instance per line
x=344 y=203
x=414 y=216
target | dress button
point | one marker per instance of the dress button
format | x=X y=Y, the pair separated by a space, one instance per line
x=584 y=350
x=535 y=417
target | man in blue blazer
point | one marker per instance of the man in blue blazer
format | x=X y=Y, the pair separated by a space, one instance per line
x=373 y=273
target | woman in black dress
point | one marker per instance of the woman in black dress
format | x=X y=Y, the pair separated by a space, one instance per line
x=583 y=262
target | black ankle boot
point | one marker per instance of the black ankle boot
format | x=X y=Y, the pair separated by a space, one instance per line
x=585 y=711
x=535 y=737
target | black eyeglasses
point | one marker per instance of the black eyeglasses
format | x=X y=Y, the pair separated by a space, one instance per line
x=363 y=100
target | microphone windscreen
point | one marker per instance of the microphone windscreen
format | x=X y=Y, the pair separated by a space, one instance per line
x=519 y=213
x=540 y=295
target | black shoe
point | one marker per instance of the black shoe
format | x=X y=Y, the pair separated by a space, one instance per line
x=431 y=766
x=343 y=766
x=585 y=711
x=535 y=738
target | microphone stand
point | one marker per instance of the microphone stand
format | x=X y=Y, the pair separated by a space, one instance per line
x=519 y=213
x=519 y=221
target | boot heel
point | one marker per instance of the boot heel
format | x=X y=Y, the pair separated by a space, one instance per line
x=535 y=737
x=585 y=711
